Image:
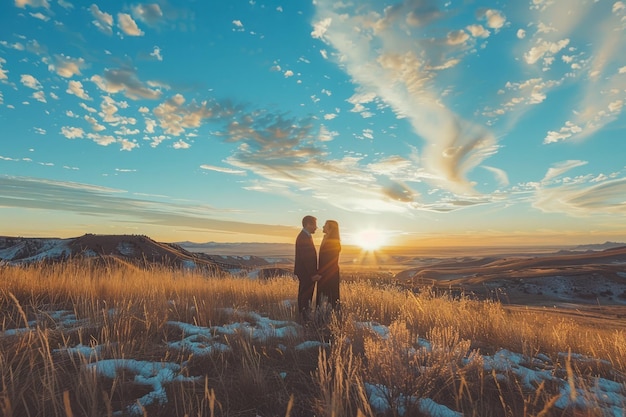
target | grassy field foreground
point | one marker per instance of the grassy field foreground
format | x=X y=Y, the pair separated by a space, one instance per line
x=389 y=352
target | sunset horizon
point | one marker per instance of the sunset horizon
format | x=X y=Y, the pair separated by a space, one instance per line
x=410 y=123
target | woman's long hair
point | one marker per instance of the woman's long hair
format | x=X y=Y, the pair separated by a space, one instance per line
x=333 y=232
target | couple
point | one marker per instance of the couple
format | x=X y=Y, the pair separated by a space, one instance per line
x=309 y=270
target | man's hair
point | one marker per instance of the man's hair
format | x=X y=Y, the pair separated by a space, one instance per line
x=307 y=220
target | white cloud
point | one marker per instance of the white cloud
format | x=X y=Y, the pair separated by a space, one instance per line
x=86 y=107
x=156 y=52
x=102 y=140
x=320 y=28
x=150 y=125
x=561 y=168
x=478 y=31
x=175 y=117
x=127 y=145
x=616 y=106
x=30 y=81
x=238 y=26
x=495 y=19
x=40 y=16
x=583 y=200
x=123 y=80
x=288 y=73
x=570 y=129
x=39 y=96
x=3 y=72
x=76 y=88
x=72 y=132
x=148 y=13
x=521 y=34
x=543 y=48
x=32 y=3
x=222 y=169
x=67 y=67
x=128 y=25
x=326 y=135
x=359 y=99
x=181 y=144
x=104 y=21
x=66 y=5
x=95 y=126
x=457 y=37
x=500 y=174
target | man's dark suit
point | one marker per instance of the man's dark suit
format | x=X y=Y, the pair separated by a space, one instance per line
x=305 y=267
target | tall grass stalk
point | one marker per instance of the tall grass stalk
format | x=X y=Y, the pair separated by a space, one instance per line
x=434 y=348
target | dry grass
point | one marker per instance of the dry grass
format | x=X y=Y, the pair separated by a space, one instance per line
x=434 y=349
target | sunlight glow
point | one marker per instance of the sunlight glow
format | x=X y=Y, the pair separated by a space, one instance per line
x=371 y=239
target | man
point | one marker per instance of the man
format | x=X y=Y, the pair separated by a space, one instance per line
x=305 y=267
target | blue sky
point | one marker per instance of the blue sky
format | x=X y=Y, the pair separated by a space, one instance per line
x=456 y=122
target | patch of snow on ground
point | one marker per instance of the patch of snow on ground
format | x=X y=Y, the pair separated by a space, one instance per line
x=88 y=352
x=608 y=395
x=50 y=248
x=378 y=398
x=126 y=249
x=153 y=374
x=205 y=340
x=189 y=264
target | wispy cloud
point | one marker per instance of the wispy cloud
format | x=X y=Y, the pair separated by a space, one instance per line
x=116 y=206
x=3 y=72
x=561 y=168
x=222 y=169
x=500 y=174
x=148 y=13
x=66 y=66
x=596 y=52
x=583 y=199
x=104 y=21
x=125 y=81
x=175 y=116
x=402 y=72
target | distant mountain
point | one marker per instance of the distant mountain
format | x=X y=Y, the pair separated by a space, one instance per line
x=282 y=251
x=599 y=246
x=136 y=249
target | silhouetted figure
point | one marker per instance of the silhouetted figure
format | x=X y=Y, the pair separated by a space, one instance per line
x=305 y=267
x=328 y=266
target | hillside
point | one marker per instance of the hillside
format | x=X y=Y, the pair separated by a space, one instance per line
x=136 y=249
x=590 y=277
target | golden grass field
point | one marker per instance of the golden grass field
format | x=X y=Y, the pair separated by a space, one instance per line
x=437 y=347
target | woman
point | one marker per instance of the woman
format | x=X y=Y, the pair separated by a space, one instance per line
x=328 y=285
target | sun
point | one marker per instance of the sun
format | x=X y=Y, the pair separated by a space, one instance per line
x=371 y=239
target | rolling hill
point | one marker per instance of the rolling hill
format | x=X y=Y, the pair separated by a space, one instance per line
x=137 y=250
